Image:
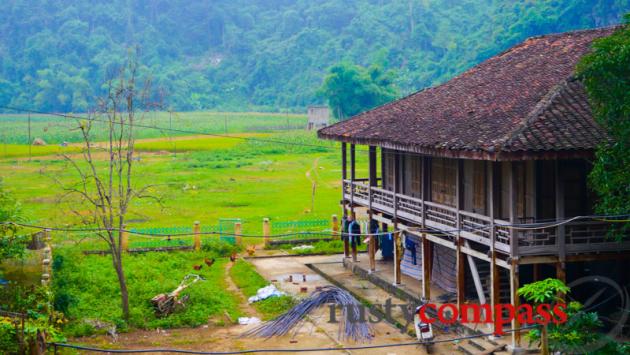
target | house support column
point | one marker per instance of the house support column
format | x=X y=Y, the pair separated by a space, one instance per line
x=560 y=235
x=515 y=300
x=344 y=177
x=494 y=269
x=461 y=261
x=426 y=267
x=514 y=275
x=372 y=183
x=353 y=170
x=397 y=235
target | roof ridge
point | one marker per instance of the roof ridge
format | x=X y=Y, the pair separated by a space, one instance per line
x=537 y=111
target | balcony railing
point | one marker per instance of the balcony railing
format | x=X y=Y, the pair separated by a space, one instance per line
x=579 y=236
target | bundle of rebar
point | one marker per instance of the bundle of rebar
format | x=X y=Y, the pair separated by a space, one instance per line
x=352 y=323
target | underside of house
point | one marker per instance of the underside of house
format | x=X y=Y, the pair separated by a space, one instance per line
x=486 y=175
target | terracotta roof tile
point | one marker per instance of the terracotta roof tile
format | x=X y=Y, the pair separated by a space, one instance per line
x=520 y=103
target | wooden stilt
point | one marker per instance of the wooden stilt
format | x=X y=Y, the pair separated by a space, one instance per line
x=461 y=274
x=398 y=256
x=426 y=268
x=353 y=245
x=515 y=301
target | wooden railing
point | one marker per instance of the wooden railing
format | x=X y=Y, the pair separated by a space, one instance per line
x=582 y=236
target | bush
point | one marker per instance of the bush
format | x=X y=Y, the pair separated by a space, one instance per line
x=220 y=248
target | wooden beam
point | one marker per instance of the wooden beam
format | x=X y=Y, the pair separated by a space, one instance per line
x=460 y=261
x=397 y=236
x=512 y=200
x=560 y=235
x=426 y=267
x=344 y=161
x=494 y=271
x=515 y=301
x=372 y=165
x=353 y=168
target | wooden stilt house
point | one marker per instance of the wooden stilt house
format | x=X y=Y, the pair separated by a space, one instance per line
x=466 y=164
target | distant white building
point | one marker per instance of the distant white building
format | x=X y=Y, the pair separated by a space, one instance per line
x=318 y=117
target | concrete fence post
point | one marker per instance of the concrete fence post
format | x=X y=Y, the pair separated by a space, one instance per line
x=266 y=230
x=237 y=233
x=197 y=236
x=335 y=225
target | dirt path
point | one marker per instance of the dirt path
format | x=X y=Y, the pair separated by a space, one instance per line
x=247 y=308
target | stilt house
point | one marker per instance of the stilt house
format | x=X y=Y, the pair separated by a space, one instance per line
x=464 y=166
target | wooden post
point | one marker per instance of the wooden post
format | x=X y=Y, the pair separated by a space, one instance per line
x=266 y=230
x=344 y=161
x=397 y=243
x=353 y=168
x=460 y=258
x=197 y=236
x=426 y=267
x=494 y=271
x=398 y=255
x=124 y=239
x=372 y=184
x=561 y=237
x=515 y=301
x=354 y=239
x=237 y=233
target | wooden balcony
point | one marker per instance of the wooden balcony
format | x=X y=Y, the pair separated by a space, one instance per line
x=576 y=237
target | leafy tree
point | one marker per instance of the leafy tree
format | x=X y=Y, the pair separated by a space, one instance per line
x=351 y=89
x=12 y=244
x=254 y=54
x=578 y=333
x=606 y=74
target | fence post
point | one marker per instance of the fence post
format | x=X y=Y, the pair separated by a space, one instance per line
x=237 y=233
x=197 y=236
x=124 y=239
x=266 y=230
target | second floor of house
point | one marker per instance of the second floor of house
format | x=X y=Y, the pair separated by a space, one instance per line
x=516 y=204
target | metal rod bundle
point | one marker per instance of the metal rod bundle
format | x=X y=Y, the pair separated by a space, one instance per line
x=352 y=323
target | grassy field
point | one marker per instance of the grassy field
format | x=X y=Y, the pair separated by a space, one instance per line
x=55 y=129
x=248 y=175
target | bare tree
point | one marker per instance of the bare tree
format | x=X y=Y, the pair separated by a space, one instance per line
x=106 y=168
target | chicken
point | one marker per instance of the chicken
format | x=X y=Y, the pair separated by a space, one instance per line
x=209 y=262
x=197 y=267
x=251 y=250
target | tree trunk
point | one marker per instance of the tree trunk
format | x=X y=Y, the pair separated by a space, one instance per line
x=124 y=294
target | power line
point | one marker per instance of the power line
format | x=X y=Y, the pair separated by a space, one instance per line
x=516 y=226
x=178 y=130
x=251 y=351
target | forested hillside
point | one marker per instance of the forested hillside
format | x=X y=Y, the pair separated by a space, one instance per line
x=260 y=54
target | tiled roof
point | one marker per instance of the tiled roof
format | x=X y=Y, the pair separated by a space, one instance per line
x=520 y=104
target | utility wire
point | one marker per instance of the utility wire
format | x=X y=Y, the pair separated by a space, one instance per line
x=251 y=351
x=527 y=226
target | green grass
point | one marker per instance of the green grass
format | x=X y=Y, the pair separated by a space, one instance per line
x=251 y=180
x=86 y=287
x=320 y=247
x=54 y=130
x=249 y=282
